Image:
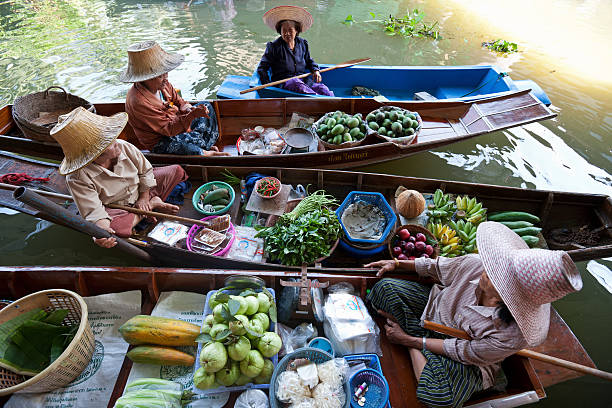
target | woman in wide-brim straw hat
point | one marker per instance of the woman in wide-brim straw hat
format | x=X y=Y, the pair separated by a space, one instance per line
x=288 y=55
x=500 y=296
x=101 y=169
x=162 y=121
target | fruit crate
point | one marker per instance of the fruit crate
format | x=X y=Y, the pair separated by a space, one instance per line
x=221 y=388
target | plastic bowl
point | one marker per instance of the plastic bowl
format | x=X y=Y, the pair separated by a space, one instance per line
x=206 y=187
x=267 y=178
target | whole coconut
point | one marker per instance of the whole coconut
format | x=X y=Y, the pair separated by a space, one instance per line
x=410 y=203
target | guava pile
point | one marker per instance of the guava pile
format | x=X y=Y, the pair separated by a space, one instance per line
x=236 y=343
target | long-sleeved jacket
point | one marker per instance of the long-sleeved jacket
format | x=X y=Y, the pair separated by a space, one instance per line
x=285 y=63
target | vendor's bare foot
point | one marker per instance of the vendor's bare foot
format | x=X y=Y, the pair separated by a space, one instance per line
x=213 y=153
x=163 y=207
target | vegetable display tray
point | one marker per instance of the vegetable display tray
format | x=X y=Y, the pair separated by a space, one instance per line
x=221 y=388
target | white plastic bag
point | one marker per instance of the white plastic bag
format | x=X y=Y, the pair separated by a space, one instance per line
x=252 y=399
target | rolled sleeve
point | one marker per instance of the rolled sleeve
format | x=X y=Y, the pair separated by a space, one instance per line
x=146 y=179
x=481 y=352
x=87 y=200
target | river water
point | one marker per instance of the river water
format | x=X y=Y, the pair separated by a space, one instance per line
x=564 y=46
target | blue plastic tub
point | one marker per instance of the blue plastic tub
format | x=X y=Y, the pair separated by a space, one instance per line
x=376 y=199
x=361 y=253
x=372 y=378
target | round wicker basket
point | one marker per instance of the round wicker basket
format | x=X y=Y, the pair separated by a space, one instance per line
x=71 y=362
x=414 y=229
x=27 y=108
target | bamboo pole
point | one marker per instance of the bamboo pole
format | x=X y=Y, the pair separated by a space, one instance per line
x=116 y=206
x=570 y=365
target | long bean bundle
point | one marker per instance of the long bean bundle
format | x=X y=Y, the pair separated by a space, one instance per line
x=313 y=202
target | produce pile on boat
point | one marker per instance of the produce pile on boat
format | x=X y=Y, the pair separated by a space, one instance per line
x=156 y=339
x=33 y=340
x=305 y=234
x=214 y=199
x=393 y=122
x=236 y=342
x=339 y=127
x=407 y=246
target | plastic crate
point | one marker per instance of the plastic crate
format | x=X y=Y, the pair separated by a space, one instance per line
x=376 y=199
x=221 y=388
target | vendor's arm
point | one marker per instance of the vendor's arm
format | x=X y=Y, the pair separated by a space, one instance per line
x=311 y=65
x=265 y=64
x=172 y=96
x=491 y=349
x=146 y=179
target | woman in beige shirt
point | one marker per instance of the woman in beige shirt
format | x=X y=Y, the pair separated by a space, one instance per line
x=500 y=297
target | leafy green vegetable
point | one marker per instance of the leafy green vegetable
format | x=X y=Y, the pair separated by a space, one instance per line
x=303 y=240
x=501 y=46
x=314 y=202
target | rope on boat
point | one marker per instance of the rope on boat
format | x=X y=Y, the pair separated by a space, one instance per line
x=499 y=76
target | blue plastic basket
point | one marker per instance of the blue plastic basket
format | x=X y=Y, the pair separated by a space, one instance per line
x=359 y=252
x=206 y=187
x=376 y=199
x=322 y=343
x=221 y=388
x=371 y=360
x=316 y=356
x=370 y=377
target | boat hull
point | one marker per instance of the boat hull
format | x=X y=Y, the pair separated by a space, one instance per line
x=397 y=83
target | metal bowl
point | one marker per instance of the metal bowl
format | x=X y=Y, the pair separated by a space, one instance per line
x=298 y=139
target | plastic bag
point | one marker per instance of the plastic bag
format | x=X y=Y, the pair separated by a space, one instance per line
x=349 y=327
x=289 y=387
x=326 y=396
x=334 y=372
x=304 y=403
x=294 y=339
x=252 y=399
x=341 y=287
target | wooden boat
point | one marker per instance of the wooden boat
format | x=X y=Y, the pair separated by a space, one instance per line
x=443 y=123
x=526 y=378
x=397 y=83
x=559 y=211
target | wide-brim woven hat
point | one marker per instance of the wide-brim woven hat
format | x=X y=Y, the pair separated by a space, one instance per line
x=147 y=60
x=527 y=280
x=295 y=13
x=84 y=136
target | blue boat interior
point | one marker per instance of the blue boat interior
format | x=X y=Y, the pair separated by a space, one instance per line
x=397 y=83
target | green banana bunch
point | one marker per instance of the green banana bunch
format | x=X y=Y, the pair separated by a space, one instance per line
x=467 y=232
x=442 y=209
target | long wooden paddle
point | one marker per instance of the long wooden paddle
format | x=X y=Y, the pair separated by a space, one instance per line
x=133 y=210
x=524 y=352
x=341 y=65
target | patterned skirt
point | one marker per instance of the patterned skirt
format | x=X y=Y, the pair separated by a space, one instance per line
x=444 y=382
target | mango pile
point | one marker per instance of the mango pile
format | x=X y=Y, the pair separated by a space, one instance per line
x=339 y=127
x=393 y=122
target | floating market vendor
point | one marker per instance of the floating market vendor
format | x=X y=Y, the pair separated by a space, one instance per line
x=501 y=297
x=101 y=169
x=162 y=121
x=288 y=55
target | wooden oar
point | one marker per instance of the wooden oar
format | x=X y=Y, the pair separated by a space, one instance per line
x=133 y=210
x=570 y=365
x=342 y=65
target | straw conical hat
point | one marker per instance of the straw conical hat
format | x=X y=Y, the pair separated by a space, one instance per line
x=527 y=280
x=148 y=60
x=295 y=13
x=84 y=136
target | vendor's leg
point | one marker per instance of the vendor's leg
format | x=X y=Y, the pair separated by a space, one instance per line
x=321 y=89
x=122 y=221
x=181 y=144
x=167 y=178
x=447 y=383
x=404 y=300
x=297 y=85
x=418 y=361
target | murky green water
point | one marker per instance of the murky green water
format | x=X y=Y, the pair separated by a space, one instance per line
x=80 y=45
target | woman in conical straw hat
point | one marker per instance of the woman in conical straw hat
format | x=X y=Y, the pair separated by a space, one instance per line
x=101 y=169
x=288 y=55
x=162 y=121
x=500 y=296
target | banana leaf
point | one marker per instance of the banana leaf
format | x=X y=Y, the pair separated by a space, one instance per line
x=11 y=357
x=56 y=317
x=41 y=335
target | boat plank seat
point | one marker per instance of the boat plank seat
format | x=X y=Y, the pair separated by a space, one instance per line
x=424 y=96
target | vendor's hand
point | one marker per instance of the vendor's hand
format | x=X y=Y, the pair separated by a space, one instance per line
x=384 y=266
x=199 y=111
x=397 y=335
x=143 y=203
x=317 y=76
x=212 y=153
x=105 y=242
x=186 y=108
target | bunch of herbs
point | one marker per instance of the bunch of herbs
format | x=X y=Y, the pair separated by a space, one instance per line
x=302 y=241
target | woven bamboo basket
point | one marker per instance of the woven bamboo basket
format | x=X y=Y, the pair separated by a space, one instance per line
x=27 y=108
x=71 y=362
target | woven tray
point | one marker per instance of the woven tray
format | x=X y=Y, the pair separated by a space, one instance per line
x=36 y=114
